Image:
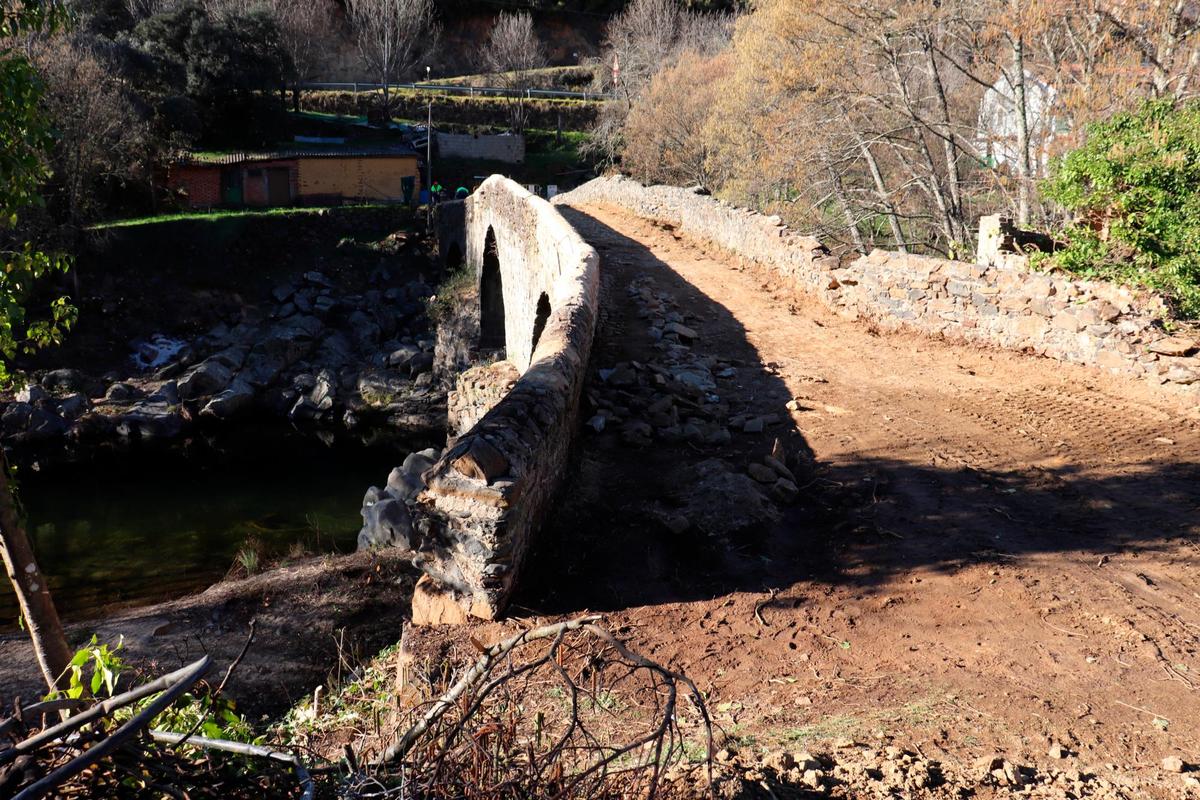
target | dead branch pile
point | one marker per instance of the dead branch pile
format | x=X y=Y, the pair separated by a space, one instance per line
x=561 y=711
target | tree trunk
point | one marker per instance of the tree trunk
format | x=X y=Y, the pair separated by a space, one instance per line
x=296 y=97
x=885 y=200
x=949 y=149
x=33 y=594
x=839 y=191
x=1024 y=167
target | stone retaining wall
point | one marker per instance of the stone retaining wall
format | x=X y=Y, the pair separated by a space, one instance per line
x=1000 y=302
x=493 y=147
x=486 y=496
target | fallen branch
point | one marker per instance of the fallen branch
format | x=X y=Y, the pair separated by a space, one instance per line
x=473 y=676
x=104 y=709
x=181 y=684
x=544 y=725
x=220 y=687
x=242 y=749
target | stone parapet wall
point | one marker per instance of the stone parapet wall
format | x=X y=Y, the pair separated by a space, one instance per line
x=1003 y=304
x=488 y=493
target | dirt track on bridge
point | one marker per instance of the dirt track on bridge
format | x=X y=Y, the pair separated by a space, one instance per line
x=991 y=552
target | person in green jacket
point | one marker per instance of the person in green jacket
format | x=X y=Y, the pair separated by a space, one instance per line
x=435 y=192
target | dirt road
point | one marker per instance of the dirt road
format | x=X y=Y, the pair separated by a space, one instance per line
x=991 y=553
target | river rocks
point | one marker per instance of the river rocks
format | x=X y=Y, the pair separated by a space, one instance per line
x=32 y=393
x=16 y=417
x=208 y=377
x=122 y=393
x=387 y=521
x=380 y=389
x=319 y=399
x=402 y=355
x=235 y=400
x=151 y=419
x=317 y=356
x=45 y=424
x=762 y=473
x=58 y=381
x=73 y=406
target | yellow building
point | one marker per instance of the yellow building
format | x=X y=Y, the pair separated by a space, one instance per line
x=296 y=177
x=382 y=176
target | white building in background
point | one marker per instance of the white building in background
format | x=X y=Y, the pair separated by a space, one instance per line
x=996 y=130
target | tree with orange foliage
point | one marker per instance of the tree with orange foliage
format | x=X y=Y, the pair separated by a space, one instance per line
x=665 y=135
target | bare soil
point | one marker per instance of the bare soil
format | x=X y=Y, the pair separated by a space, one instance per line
x=991 y=552
x=313 y=620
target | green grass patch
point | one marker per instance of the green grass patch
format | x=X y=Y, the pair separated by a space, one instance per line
x=214 y=215
x=849 y=726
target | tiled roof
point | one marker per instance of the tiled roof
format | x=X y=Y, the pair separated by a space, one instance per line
x=277 y=155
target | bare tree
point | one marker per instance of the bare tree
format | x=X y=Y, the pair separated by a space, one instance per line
x=666 y=136
x=33 y=594
x=100 y=137
x=1167 y=35
x=305 y=28
x=513 y=52
x=641 y=40
x=649 y=36
x=393 y=36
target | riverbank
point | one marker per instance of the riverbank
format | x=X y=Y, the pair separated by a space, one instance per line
x=312 y=618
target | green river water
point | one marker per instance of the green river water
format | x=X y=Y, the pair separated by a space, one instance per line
x=137 y=527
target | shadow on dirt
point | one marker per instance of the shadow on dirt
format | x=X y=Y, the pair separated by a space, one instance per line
x=606 y=547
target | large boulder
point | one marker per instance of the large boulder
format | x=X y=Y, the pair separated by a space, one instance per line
x=208 y=377
x=45 y=424
x=386 y=522
x=231 y=402
x=70 y=381
x=380 y=389
x=16 y=417
x=73 y=406
x=151 y=420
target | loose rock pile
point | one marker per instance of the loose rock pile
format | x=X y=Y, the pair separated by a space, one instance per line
x=882 y=769
x=685 y=397
x=319 y=355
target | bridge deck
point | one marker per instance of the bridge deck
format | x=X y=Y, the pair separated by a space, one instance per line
x=989 y=549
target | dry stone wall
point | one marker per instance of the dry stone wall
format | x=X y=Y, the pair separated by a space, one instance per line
x=1000 y=302
x=488 y=493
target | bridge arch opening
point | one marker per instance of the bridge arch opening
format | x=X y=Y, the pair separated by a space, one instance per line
x=454 y=256
x=491 y=298
x=539 y=321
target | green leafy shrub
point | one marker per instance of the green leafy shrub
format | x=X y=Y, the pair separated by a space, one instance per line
x=1134 y=188
x=106 y=668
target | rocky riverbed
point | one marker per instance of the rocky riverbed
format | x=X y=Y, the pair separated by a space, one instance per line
x=314 y=353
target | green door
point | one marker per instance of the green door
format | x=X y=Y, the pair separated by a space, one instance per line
x=231 y=186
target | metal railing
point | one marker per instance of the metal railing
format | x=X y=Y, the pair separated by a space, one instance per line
x=448 y=88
